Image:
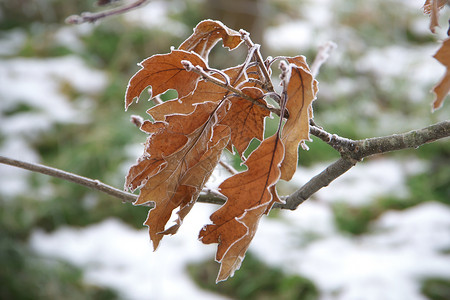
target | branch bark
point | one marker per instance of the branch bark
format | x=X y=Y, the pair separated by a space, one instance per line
x=352 y=151
x=92 y=17
x=207 y=196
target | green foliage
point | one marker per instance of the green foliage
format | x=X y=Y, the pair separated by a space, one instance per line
x=353 y=220
x=318 y=152
x=24 y=275
x=255 y=280
x=436 y=288
x=428 y=186
x=109 y=47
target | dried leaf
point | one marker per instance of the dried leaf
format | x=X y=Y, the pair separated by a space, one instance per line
x=164 y=72
x=432 y=7
x=190 y=182
x=442 y=89
x=206 y=35
x=249 y=196
x=179 y=157
x=246 y=119
x=205 y=92
x=301 y=91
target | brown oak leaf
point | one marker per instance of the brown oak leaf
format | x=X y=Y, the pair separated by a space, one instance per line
x=246 y=119
x=301 y=91
x=443 y=87
x=206 y=35
x=163 y=72
x=190 y=184
x=179 y=157
x=249 y=196
x=205 y=92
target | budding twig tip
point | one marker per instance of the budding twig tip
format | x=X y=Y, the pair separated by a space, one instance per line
x=187 y=65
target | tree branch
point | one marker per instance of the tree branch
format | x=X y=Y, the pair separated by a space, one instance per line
x=351 y=151
x=319 y=181
x=207 y=196
x=92 y=17
x=354 y=151
x=411 y=139
x=91 y=183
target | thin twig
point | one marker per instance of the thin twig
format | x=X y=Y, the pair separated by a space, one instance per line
x=228 y=167
x=91 y=183
x=258 y=57
x=322 y=56
x=207 y=195
x=340 y=144
x=319 y=181
x=199 y=70
x=92 y=17
x=157 y=100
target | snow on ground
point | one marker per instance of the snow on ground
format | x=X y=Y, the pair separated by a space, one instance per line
x=38 y=84
x=155 y=15
x=364 y=182
x=386 y=264
x=115 y=255
x=402 y=248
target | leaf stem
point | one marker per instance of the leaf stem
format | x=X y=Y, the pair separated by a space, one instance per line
x=258 y=57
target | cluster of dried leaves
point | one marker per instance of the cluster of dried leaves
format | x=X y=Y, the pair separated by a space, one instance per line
x=432 y=7
x=217 y=110
x=225 y=109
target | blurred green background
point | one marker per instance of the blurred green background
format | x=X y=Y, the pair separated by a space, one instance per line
x=354 y=101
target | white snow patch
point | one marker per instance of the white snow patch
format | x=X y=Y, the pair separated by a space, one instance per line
x=385 y=265
x=394 y=61
x=38 y=83
x=115 y=255
x=364 y=182
x=293 y=35
x=155 y=15
x=69 y=36
x=11 y=41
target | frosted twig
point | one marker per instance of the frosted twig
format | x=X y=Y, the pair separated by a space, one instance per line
x=199 y=70
x=228 y=167
x=91 y=183
x=92 y=17
x=258 y=57
x=157 y=100
x=207 y=196
x=322 y=56
x=361 y=149
x=137 y=120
